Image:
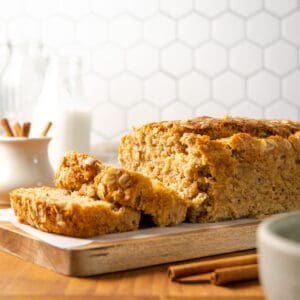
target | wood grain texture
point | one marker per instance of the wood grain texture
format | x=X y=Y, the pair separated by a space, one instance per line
x=24 y=280
x=120 y=255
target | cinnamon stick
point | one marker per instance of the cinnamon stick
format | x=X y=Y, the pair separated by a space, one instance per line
x=6 y=127
x=26 y=129
x=224 y=275
x=189 y=269
x=18 y=129
x=234 y=274
x=46 y=129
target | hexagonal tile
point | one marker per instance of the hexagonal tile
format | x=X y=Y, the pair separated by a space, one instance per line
x=280 y=7
x=126 y=90
x=274 y=58
x=39 y=9
x=95 y=89
x=193 y=89
x=74 y=8
x=228 y=29
x=160 y=30
x=281 y=110
x=77 y=50
x=245 y=58
x=176 y=8
x=228 y=88
x=108 y=60
x=247 y=109
x=108 y=119
x=160 y=89
x=57 y=31
x=137 y=63
x=176 y=111
x=143 y=9
x=211 y=58
x=125 y=30
x=177 y=59
x=142 y=113
x=211 y=8
x=187 y=32
x=24 y=29
x=245 y=7
x=290 y=87
x=211 y=109
x=263 y=28
x=263 y=88
x=109 y=9
x=290 y=26
x=91 y=30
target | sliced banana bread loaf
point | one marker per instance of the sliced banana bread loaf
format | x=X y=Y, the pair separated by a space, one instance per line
x=226 y=168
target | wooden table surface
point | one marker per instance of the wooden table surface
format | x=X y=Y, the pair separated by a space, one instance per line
x=24 y=280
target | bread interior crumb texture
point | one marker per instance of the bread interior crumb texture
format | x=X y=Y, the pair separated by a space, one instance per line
x=225 y=168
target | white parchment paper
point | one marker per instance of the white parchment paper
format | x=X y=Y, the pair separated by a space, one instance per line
x=50 y=238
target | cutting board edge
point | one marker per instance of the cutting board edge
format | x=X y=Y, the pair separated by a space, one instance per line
x=97 y=258
x=169 y=249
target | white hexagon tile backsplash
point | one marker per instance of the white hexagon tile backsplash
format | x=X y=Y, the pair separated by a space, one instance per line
x=149 y=60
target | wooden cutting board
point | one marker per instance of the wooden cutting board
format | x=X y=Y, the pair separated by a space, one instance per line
x=130 y=250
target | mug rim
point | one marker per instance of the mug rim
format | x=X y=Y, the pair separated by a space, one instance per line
x=267 y=236
x=21 y=138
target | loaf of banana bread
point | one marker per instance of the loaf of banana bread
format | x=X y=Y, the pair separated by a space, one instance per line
x=87 y=175
x=68 y=213
x=225 y=168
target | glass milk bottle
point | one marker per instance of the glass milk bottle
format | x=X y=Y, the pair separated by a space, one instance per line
x=61 y=102
x=21 y=80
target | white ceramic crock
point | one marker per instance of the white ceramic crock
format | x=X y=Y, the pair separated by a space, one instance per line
x=24 y=162
x=278 y=243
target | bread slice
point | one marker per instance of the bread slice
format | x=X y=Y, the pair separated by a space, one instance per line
x=76 y=169
x=226 y=168
x=137 y=191
x=117 y=185
x=68 y=213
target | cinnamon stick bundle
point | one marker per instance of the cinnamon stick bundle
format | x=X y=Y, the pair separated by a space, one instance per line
x=217 y=271
x=21 y=131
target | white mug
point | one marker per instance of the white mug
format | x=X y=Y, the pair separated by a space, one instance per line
x=278 y=244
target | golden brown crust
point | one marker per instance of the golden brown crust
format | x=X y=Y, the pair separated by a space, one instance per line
x=217 y=128
x=226 y=168
x=67 y=213
x=127 y=188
